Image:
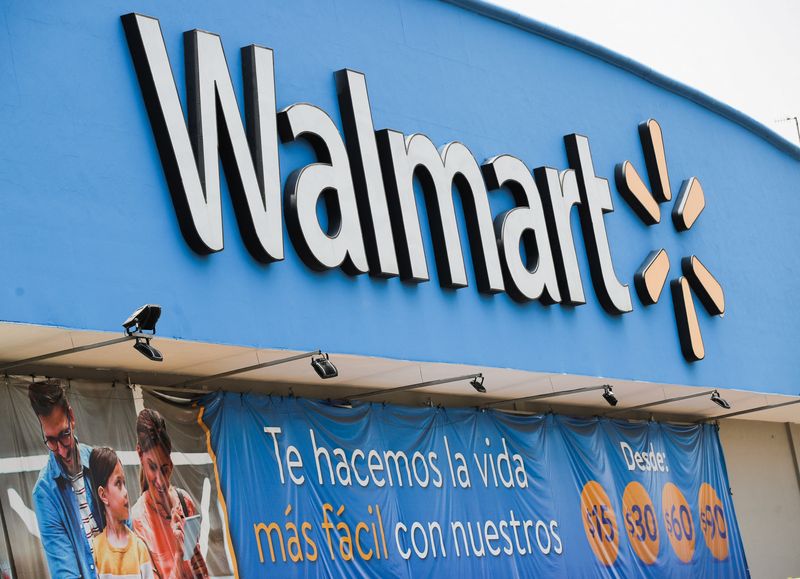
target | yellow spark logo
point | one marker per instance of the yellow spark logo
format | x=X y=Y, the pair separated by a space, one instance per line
x=652 y=275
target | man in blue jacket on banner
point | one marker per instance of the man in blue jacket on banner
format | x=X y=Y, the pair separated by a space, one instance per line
x=62 y=496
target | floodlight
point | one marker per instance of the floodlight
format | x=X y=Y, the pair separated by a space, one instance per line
x=477 y=383
x=608 y=394
x=142 y=345
x=719 y=400
x=323 y=367
x=143 y=320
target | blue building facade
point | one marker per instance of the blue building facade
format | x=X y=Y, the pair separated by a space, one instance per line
x=108 y=195
x=88 y=220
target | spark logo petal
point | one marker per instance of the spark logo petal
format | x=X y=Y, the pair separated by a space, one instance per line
x=652 y=275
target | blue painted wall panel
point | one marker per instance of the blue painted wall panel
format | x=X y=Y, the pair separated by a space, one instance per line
x=88 y=231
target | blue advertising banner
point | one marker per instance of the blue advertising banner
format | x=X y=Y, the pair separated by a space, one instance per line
x=380 y=490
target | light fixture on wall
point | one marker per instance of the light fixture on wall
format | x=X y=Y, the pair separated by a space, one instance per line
x=143 y=321
x=719 y=400
x=315 y=355
x=543 y=396
x=143 y=346
x=660 y=402
x=476 y=380
x=324 y=367
x=608 y=394
x=477 y=383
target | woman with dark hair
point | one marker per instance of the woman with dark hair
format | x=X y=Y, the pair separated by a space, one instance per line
x=159 y=514
x=117 y=551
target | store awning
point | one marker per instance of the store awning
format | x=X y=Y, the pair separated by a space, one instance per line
x=197 y=363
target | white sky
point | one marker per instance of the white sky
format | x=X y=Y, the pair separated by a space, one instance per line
x=746 y=54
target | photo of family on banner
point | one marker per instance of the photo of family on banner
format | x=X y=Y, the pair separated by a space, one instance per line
x=107 y=499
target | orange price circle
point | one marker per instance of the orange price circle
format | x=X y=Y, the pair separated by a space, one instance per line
x=713 y=522
x=678 y=522
x=600 y=523
x=641 y=522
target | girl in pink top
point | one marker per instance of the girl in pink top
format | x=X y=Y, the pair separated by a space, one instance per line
x=159 y=514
